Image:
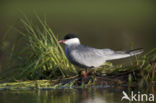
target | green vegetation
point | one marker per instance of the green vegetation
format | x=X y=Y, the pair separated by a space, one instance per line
x=138 y=74
x=43 y=58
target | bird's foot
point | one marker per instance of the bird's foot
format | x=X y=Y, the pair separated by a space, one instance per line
x=85 y=74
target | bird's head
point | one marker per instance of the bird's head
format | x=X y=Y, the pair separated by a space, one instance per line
x=70 y=39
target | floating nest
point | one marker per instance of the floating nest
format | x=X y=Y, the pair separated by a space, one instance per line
x=92 y=81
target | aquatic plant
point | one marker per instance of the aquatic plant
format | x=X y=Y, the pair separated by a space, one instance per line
x=41 y=57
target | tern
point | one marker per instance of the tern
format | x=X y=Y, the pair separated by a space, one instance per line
x=88 y=57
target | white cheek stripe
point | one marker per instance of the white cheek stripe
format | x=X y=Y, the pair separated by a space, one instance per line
x=72 y=41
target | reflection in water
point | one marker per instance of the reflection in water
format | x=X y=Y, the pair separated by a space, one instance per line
x=90 y=95
x=96 y=100
x=62 y=96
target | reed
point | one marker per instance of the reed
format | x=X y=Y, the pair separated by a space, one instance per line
x=42 y=57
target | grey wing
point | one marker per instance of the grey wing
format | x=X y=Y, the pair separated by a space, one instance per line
x=111 y=55
x=90 y=57
x=108 y=51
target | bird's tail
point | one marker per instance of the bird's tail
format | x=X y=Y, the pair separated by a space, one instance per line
x=135 y=51
x=125 y=54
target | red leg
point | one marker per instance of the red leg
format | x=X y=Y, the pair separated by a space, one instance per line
x=86 y=73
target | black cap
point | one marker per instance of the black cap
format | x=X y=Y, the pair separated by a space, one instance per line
x=69 y=36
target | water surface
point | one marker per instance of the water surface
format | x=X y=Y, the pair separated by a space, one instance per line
x=88 y=95
x=63 y=96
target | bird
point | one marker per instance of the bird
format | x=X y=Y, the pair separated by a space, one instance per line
x=89 y=57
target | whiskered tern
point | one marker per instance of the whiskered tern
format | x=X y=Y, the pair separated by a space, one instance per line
x=88 y=57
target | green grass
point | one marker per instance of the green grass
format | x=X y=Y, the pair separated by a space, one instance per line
x=42 y=56
x=138 y=74
x=142 y=71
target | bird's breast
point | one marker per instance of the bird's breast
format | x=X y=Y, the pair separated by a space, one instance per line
x=69 y=51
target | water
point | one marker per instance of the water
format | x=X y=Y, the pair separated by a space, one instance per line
x=109 y=95
x=89 y=95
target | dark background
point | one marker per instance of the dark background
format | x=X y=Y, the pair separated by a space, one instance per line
x=115 y=24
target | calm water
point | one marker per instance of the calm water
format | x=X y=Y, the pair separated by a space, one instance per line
x=62 y=96
x=100 y=95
